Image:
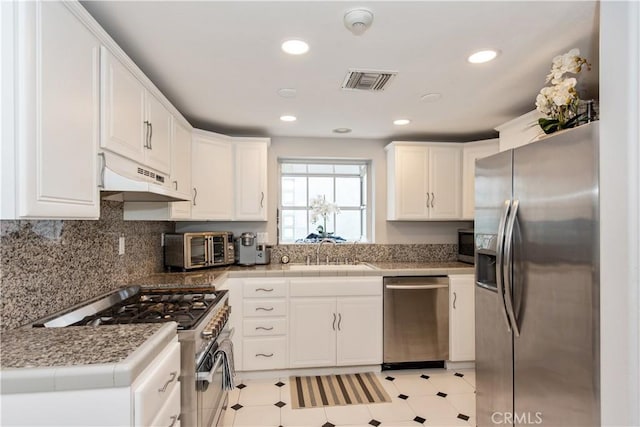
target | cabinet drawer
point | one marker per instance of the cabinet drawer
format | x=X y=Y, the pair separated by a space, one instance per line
x=265 y=307
x=265 y=288
x=154 y=386
x=264 y=353
x=168 y=415
x=261 y=327
x=335 y=287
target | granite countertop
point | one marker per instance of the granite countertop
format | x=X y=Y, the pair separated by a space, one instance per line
x=79 y=357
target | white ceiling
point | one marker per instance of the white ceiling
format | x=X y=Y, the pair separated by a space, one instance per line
x=220 y=63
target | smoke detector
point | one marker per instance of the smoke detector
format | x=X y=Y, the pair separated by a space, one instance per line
x=358 y=20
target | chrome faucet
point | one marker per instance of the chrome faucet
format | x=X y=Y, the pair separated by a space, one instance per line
x=320 y=246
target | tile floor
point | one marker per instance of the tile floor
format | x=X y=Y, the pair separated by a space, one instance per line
x=431 y=397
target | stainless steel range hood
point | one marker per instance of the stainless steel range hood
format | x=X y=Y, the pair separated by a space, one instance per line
x=124 y=180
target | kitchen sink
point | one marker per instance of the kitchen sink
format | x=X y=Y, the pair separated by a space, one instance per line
x=325 y=267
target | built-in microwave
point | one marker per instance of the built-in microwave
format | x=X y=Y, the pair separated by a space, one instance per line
x=466 y=245
x=186 y=251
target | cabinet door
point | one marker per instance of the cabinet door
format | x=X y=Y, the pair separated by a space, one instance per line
x=181 y=169
x=211 y=179
x=408 y=183
x=57 y=114
x=251 y=181
x=445 y=184
x=312 y=333
x=359 y=339
x=472 y=152
x=159 y=135
x=123 y=110
x=462 y=343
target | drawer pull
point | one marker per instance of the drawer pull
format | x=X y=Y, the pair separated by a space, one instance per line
x=264 y=309
x=263 y=328
x=174 y=418
x=264 y=289
x=173 y=376
x=264 y=355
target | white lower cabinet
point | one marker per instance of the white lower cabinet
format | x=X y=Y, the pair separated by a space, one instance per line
x=342 y=330
x=462 y=343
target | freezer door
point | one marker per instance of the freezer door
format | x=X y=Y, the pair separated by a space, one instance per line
x=556 y=280
x=494 y=345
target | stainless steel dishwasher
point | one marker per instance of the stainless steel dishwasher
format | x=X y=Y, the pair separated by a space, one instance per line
x=416 y=320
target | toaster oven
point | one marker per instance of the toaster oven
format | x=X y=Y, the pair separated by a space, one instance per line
x=187 y=251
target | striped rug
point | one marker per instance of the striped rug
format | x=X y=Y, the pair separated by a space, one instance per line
x=336 y=390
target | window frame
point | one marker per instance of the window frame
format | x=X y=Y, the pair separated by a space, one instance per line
x=365 y=192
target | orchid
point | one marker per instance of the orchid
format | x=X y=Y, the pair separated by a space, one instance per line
x=559 y=102
x=321 y=209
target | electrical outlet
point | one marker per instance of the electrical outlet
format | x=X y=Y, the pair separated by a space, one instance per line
x=121 y=245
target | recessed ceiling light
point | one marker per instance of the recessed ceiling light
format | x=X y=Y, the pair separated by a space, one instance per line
x=401 y=122
x=288 y=118
x=431 y=97
x=287 y=92
x=295 y=47
x=342 y=130
x=482 y=56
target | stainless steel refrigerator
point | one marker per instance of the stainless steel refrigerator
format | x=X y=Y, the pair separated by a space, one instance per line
x=537 y=283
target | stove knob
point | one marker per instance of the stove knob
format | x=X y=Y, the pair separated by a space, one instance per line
x=207 y=333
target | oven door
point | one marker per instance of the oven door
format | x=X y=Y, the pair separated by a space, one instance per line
x=211 y=397
x=197 y=251
x=219 y=254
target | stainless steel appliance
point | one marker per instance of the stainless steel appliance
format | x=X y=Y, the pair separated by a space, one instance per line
x=186 y=251
x=416 y=320
x=201 y=315
x=466 y=246
x=537 y=283
x=245 y=247
x=263 y=254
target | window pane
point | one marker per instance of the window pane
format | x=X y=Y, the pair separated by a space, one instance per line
x=294 y=168
x=321 y=187
x=294 y=191
x=348 y=225
x=325 y=169
x=293 y=225
x=348 y=169
x=348 y=191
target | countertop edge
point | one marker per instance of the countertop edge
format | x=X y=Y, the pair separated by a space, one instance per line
x=85 y=377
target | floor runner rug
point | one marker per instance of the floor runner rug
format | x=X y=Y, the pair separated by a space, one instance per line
x=336 y=390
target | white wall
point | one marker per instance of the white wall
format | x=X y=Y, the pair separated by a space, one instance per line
x=342 y=148
x=619 y=213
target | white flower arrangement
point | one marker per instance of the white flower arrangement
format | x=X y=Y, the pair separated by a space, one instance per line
x=320 y=208
x=559 y=102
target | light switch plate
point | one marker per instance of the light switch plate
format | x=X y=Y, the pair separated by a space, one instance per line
x=121 y=245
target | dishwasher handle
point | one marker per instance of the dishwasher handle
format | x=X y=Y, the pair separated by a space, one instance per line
x=407 y=287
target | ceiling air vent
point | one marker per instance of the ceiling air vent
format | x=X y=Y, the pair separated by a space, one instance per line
x=369 y=80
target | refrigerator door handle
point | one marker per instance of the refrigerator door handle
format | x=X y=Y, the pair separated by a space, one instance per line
x=500 y=261
x=508 y=266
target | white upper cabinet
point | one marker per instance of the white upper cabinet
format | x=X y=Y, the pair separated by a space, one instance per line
x=134 y=123
x=473 y=151
x=211 y=177
x=181 y=169
x=424 y=181
x=520 y=131
x=250 y=179
x=50 y=113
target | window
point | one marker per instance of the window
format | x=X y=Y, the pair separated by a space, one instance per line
x=341 y=183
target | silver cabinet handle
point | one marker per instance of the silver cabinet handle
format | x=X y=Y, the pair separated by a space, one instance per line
x=264 y=355
x=455 y=297
x=146 y=134
x=508 y=267
x=103 y=165
x=339 y=320
x=195 y=194
x=264 y=289
x=174 y=419
x=427 y=200
x=150 y=135
x=433 y=199
x=264 y=308
x=262 y=199
x=334 y=322
x=263 y=328
x=175 y=184
x=172 y=377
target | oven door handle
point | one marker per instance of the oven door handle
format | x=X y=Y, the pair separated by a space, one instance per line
x=208 y=376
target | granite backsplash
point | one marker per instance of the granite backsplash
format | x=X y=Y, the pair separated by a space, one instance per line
x=48 y=266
